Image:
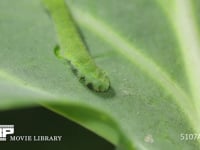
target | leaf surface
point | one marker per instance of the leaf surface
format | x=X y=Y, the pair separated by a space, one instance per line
x=154 y=94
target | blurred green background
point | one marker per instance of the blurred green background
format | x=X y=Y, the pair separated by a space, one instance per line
x=40 y=121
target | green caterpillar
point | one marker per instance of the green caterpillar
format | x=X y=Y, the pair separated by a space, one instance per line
x=73 y=49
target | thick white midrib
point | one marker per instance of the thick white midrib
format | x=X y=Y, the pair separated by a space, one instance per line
x=135 y=56
x=187 y=33
x=185 y=28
